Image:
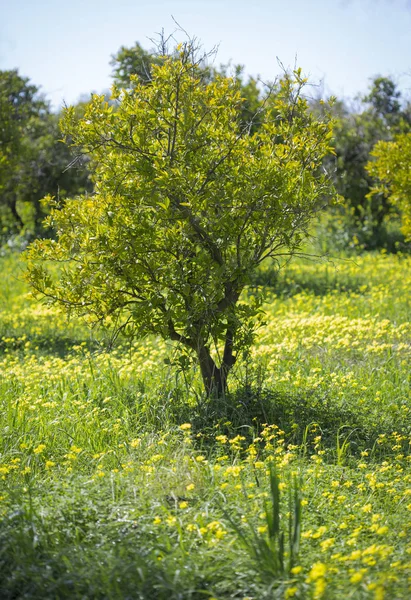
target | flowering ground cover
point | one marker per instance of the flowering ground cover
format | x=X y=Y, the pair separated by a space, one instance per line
x=119 y=480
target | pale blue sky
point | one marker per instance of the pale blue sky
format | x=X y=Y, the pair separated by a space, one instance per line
x=65 y=46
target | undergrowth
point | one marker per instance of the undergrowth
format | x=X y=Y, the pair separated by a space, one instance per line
x=118 y=479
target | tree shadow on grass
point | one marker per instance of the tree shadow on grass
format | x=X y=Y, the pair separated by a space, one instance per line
x=301 y=416
x=315 y=283
x=58 y=345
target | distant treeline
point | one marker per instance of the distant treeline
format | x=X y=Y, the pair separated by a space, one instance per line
x=35 y=161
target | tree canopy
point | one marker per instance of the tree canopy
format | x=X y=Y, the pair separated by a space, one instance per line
x=33 y=161
x=188 y=202
x=380 y=116
x=134 y=64
x=391 y=167
x=20 y=107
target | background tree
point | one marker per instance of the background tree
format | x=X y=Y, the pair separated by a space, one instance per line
x=384 y=100
x=187 y=204
x=20 y=105
x=379 y=117
x=133 y=64
x=33 y=160
x=52 y=167
x=391 y=168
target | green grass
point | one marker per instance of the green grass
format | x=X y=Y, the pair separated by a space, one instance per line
x=119 y=480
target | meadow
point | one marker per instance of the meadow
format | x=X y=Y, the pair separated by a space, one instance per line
x=119 y=480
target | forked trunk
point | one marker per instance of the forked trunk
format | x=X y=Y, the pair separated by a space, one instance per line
x=215 y=378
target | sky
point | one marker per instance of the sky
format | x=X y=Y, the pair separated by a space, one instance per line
x=64 y=47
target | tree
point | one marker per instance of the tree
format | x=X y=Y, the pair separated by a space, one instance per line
x=33 y=161
x=187 y=204
x=133 y=64
x=384 y=99
x=20 y=105
x=391 y=168
x=356 y=133
x=51 y=168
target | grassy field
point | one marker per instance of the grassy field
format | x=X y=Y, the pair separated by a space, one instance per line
x=118 y=480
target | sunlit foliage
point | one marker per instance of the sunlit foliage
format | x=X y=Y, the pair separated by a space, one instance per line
x=391 y=166
x=188 y=202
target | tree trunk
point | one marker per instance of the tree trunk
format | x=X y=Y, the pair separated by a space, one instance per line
x=14 y=212
x=215 y=378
